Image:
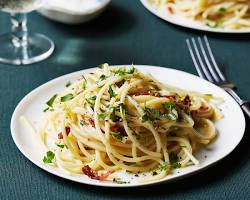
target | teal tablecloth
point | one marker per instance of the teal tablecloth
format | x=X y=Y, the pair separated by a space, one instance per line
x=126 y=33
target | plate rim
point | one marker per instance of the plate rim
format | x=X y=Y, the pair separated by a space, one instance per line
x=150 y=8
x=107 y=184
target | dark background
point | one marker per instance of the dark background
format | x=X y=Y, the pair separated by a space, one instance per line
x=126 y=33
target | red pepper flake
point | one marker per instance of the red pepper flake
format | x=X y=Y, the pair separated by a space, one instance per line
x=92 y=122
x=67 y=130
x=93 y=174
x=118 y=128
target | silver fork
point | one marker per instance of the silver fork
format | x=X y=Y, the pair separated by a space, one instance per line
x=208 y=69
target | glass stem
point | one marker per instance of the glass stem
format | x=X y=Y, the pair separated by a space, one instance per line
x=19 y=29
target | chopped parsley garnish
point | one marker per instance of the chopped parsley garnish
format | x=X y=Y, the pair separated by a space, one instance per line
x=222 y=10
x=123 y=71
x=46 y=109
x=115 y=118
x=117 y=136
x=172 y=112
x=163 y=166
x=67 y=97
x=111 y=92
x=93 y=97
x=51 y=100
x=68 y=84
x=217 y=24
x=120 y=72
x=102 y=116
x=174 y=160
x=131 y=70
x=119 y=181
x=144 y=118
x=169 y=105
x=60 y=145
x=111 y=109
x=153 y=113
x=49 y=157
x=102 y=77
x=150 y=113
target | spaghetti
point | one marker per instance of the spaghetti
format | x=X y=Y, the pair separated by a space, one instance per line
x=116 y=119
x=227 y=14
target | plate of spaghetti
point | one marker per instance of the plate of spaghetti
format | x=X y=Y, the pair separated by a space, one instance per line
x=230 y=16
x=124 y=126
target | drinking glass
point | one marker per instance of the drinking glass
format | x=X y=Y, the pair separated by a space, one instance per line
x=21 y=47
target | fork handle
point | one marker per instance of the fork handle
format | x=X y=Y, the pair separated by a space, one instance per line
x=245 y=105
x=246 y=108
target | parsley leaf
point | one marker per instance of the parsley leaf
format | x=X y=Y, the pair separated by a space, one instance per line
x=117 y=136
x=115 y=118
x=222 y=10
x=93 y=97
x=144 y=118
x=151 y=114
x=169 y=105
x=67 y=97
x=102 y=77
x=163 y=166
x=102 y=116
x=51 y=100
x=68 y=84
x=49 y=157
x=60 y=145
x=131 y=70
x=46 y=109
x=111 y=92
x=123 y=71
x=174 y=160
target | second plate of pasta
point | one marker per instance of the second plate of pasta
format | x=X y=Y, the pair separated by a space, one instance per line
x=126 y=126
x=230 y=16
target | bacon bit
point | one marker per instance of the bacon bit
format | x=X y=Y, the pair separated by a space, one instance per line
x=118 y=128
x=186 y=101
x=60 y=135
x=92 y=122
x=170 y=9
x=93 y=174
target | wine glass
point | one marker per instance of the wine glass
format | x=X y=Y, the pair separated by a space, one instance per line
x=21 y=47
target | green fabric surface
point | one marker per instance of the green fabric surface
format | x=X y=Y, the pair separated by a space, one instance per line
x=126 y=33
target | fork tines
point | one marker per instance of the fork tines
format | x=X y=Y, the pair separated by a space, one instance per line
x=204 y=60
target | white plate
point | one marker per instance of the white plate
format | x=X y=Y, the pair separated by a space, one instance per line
x=181 y=21
x=231 y=127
